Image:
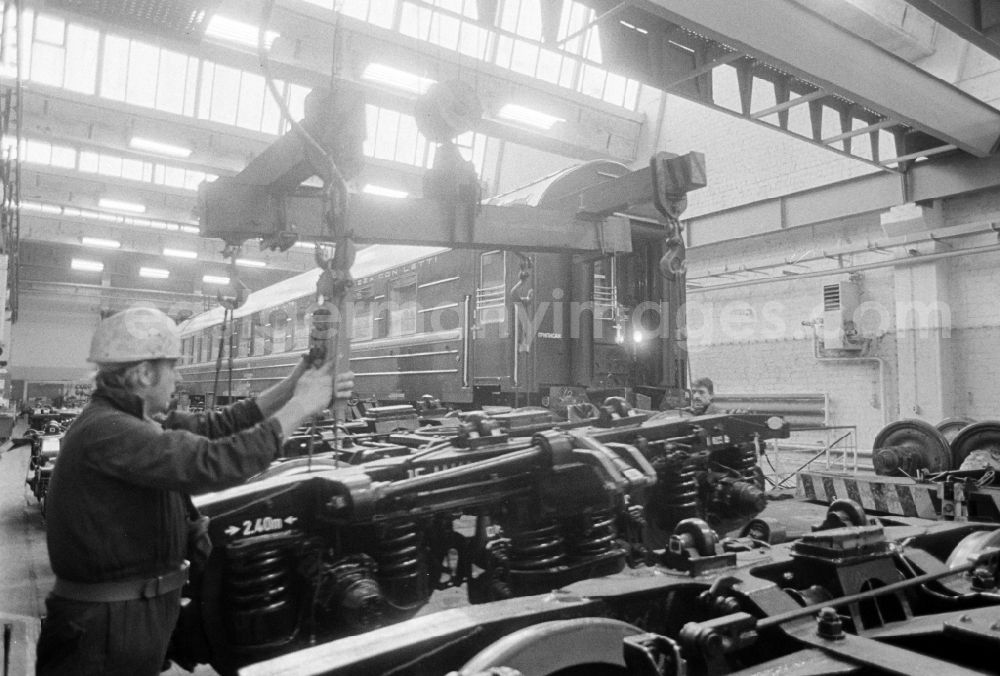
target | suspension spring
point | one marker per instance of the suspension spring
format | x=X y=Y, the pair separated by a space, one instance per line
x=536 y=548
x=597 y=538
x=401 y=565
x=259 y=598
x=680 y=486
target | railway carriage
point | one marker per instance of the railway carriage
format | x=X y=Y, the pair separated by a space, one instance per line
x=471 y=328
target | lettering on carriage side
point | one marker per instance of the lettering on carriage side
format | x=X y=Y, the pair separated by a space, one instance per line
x=546 y=334
x=396 y=272
x=263 y=524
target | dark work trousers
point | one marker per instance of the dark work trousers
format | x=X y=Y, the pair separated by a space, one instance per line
x=123 y=638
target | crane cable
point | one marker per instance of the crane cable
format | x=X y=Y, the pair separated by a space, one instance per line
x=336 y=271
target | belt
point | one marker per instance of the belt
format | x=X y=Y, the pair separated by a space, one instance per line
x=122 y=590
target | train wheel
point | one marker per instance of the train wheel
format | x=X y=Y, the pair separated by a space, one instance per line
x=980 y=436
x=904 y=446
x=585 y=646
x=950 y=427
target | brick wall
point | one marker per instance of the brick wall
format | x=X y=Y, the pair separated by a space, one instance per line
x=752 y=340
x=748 y=337
x=975 y=313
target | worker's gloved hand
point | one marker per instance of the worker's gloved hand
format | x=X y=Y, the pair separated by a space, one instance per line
x=314 y=389
x=343 y=385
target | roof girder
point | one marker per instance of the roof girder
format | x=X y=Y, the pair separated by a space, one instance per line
x=865 y=85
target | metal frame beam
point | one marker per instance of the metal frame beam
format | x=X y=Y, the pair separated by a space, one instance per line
x=805 y=45
x=977 y=21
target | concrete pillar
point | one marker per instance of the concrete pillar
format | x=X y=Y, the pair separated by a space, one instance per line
x=923 y=325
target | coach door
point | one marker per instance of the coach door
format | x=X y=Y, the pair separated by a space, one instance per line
x=491 y=328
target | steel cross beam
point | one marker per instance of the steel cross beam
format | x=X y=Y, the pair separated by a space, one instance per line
x=977 y=21
x=785 y=35
x=267 y=199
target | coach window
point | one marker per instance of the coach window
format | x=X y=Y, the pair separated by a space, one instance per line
x=262 y=331
x=278 y=321
x=206 y=345
x=256 y=336
x=233 y=339
x=290 y=326
x=490 y=305
x=302 y=323
x=244 y=337
x=364 y=317
x=403 y=306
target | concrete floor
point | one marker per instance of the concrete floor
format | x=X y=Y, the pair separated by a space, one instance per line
x=26 y=577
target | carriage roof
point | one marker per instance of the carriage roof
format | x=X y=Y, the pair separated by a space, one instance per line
x=369 y=261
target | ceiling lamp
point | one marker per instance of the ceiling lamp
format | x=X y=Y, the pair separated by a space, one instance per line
x=180 y=253
x=372 y=189
x=154 y=273
x=398 y=79
x=101 y=242
x=215 y=279
x=238 y=32
x=251 y=263
x=119 y=205
x=86 y=266
x=528 y=116
x=158 y=147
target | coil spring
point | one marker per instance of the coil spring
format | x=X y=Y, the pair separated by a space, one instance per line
x=681 y=491
x=536 y=548
x=598 y=537
x=261 y=602
x=400 y=562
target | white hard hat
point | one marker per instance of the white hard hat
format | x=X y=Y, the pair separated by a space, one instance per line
x=136 y=334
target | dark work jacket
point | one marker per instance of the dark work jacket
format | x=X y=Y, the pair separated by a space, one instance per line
x=116 y=508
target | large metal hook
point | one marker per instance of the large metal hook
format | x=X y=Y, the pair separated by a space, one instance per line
x=239 y=289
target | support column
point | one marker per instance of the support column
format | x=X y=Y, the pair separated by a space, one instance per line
x=923 y=327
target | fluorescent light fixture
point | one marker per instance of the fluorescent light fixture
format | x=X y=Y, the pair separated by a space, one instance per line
x=399 y=79
x=119 y=205
x=180 y=253
x=384 y=192
x=86 y=266
x=534 y=118
x=214 y=279
x=101 y=242
x=251 y=263
x=231 y=30
x=154 y=273
x=151 y=146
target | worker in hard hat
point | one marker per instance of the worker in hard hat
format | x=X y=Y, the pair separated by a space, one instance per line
x=118 y=504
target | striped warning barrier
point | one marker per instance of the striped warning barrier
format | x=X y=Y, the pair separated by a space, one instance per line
x=889 y=495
